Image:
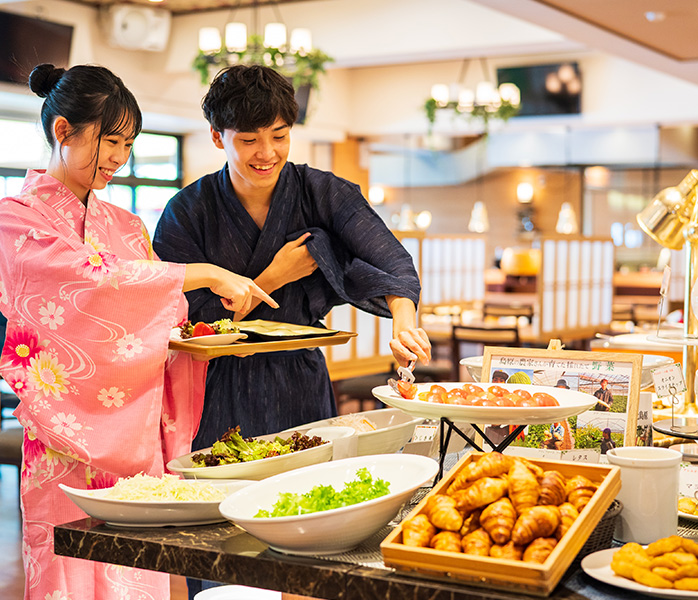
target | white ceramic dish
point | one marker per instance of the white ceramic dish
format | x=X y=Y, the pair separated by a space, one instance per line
x=237 y=592
x=137 y=513
x=473 y=364
x=394 y=428
x=332 y=531
x=255 y=469
x=220 y=339
x=571 y=403
x=688 y=516
x=598 y=566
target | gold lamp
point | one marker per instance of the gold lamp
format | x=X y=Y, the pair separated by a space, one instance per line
x=671 y=219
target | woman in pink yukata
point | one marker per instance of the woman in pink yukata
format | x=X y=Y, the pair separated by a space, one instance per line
x=90 y=309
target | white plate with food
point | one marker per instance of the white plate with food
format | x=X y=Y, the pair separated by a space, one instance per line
x=202 y=509
x=253 y=469
x=220 y=339
x=380 y=431
x=570 y=403
x=598 y=566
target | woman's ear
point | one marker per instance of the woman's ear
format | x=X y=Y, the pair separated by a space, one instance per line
x=61 y=129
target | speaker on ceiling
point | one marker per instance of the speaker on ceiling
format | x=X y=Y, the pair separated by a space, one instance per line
x=136 y=27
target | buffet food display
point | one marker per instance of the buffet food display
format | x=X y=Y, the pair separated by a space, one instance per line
x=504 y=522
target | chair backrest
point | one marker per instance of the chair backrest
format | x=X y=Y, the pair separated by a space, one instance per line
x=507 y=310
x=476 y=334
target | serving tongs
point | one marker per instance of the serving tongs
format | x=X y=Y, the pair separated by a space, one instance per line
x=406 y=374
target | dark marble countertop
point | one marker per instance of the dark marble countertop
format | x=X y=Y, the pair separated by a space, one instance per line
x=225 y=553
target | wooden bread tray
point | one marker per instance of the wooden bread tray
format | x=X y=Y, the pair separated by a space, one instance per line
x=483 y=571
x=242 y=348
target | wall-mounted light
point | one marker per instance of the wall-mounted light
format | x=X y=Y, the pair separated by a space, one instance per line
x=376 y=195
x=566 y=220
x=524 y=192
x=479 y=220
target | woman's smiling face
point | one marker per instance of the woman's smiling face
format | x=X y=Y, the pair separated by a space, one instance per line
x=255 y=159
x=88 y=162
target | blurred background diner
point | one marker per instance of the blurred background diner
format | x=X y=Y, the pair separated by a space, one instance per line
x=509 y=145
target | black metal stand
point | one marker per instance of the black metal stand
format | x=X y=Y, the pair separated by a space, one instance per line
x=445 y=438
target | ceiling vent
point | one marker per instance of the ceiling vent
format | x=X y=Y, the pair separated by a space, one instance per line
x=137 y=27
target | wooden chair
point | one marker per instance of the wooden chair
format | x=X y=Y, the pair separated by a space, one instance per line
x=507 y=310
x=479 y=335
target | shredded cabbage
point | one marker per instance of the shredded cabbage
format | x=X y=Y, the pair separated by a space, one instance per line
x=167 y=488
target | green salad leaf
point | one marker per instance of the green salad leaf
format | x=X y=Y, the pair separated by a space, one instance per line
x=325 y=497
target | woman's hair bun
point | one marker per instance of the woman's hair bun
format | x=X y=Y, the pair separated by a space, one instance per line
x=44 y=78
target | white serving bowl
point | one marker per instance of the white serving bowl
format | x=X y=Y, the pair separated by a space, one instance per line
x=473 y=364
x=255 y=469
x=331 y=531
x=394 y=428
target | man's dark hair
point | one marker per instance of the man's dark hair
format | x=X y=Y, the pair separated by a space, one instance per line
x=248 y=98
x=499 y=375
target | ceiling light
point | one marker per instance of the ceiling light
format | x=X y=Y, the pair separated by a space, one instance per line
x=655 y=16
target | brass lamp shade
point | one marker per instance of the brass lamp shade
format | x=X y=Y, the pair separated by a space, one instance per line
x=665 y=218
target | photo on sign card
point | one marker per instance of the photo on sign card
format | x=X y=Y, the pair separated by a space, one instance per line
x=611 y=379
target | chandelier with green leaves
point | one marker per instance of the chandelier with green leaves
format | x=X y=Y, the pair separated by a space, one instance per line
x=484 y=104
x=294 y=58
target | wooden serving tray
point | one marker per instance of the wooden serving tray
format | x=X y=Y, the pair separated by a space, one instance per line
x=497 y=573
x=242 y=348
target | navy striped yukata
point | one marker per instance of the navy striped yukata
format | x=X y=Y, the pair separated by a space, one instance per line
x=359 y=262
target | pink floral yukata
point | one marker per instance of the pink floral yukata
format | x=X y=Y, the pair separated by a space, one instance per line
x=90 y=310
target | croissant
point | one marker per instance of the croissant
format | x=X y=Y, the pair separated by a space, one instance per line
x=552 y=488
x=498 y=520
x=524 y=488
x=477 y=542
x=441 y=511
x=450 y=541
x=568 y=515
x=579 y=491
x=539 y=521
x=471 y=522
x=539 y=549
x=417 y=531
x=491 y=464
x=480 y=493
x=533 y=467
x=509 y=550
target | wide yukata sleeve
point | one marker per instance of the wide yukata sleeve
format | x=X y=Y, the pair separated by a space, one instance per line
x=356 y=252
x=87 y=343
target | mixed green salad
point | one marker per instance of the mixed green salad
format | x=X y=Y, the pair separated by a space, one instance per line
x=325 y=497
x=233 y=448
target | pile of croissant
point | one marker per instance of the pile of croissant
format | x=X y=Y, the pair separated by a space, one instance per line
x=500 y=506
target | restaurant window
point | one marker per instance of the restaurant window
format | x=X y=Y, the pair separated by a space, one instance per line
x=151 y=177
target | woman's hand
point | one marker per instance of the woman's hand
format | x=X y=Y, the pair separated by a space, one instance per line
x=237 y=292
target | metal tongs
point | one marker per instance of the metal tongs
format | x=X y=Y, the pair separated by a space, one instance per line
x=405 y=374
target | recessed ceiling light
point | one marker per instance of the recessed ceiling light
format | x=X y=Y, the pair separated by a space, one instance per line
x=655 y=16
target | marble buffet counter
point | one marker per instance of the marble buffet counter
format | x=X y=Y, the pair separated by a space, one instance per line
x=225 y=553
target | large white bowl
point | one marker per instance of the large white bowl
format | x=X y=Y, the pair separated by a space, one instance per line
x=331 y=531
x=140 y=513
x=394 y=428
x=473 y=364
x=254 y=469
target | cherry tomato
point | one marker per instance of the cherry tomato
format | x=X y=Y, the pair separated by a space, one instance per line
x=407 y=390
x=497 y=390
x=544 y=399
x=437 y=398
x=470 y=389
x=488 y=402
x=522 y=393
x=202 y=328
x=530 y=402
x=453 y=397
x=504 y=401
x=434 y=389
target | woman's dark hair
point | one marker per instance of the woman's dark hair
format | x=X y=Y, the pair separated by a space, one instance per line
x=248 y=98
x=85 y=95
